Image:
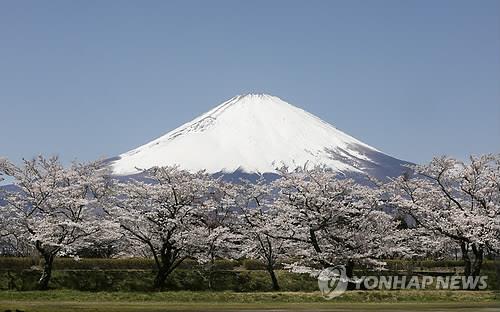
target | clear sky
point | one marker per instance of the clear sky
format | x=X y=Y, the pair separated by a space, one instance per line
x=89 y=79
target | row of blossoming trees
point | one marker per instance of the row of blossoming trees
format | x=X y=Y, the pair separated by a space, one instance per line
x=308 y=218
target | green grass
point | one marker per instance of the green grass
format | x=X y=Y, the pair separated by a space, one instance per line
x=408 y=300
x=254 y=297
x=158 y=306
x=402 y=301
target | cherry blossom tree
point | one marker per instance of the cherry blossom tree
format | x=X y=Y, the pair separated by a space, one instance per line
x=12 y=244
x=161 y=213
x=257 y=226
x=8 y=239
x=3 y=214
x=216 y=238
x=457 y=201
x=55 y=208
x=335 y=221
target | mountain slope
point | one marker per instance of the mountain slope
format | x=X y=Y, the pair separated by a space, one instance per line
x=256 y=133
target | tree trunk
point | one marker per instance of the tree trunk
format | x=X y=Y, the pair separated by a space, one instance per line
x=43 y=283
x=12 y=284
x=314 y=240
x=478 y=260
x=211 y=271
x=349 y=272
x=164 y=269
x=465 y=257
x=274 y=279
x=160 y=278
x=210 y=278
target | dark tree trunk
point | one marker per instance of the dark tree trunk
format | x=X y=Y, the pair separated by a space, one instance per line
x=274 y=279
x=478 y=260
x=169 y=262
x=210 y=278
x=211 y=272
x=12 y=284
x=465 y=257
x=497 y=269
x=43 y=283
x=160 y=278
x=349 y=272
x=213 y=268
x=314 y=240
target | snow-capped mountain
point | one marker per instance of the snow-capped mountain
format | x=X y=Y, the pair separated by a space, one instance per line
x=256 y=133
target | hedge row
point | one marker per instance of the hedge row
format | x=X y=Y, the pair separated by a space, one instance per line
x=13 y=263
x=139 y=280
x=400 y=265
x=194 y=280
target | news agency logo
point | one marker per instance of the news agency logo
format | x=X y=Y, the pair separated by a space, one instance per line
x=333 y=281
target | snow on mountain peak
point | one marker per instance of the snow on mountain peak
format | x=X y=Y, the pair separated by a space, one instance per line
x=254 y=133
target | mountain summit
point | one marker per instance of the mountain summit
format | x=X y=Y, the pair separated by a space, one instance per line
x=256 y=133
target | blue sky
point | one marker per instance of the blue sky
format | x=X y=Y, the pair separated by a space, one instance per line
x=90 y=79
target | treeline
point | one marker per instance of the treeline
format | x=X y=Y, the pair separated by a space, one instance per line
x=306 y=220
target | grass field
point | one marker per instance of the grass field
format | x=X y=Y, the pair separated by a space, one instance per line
x=160 y=306
x=408 y=300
